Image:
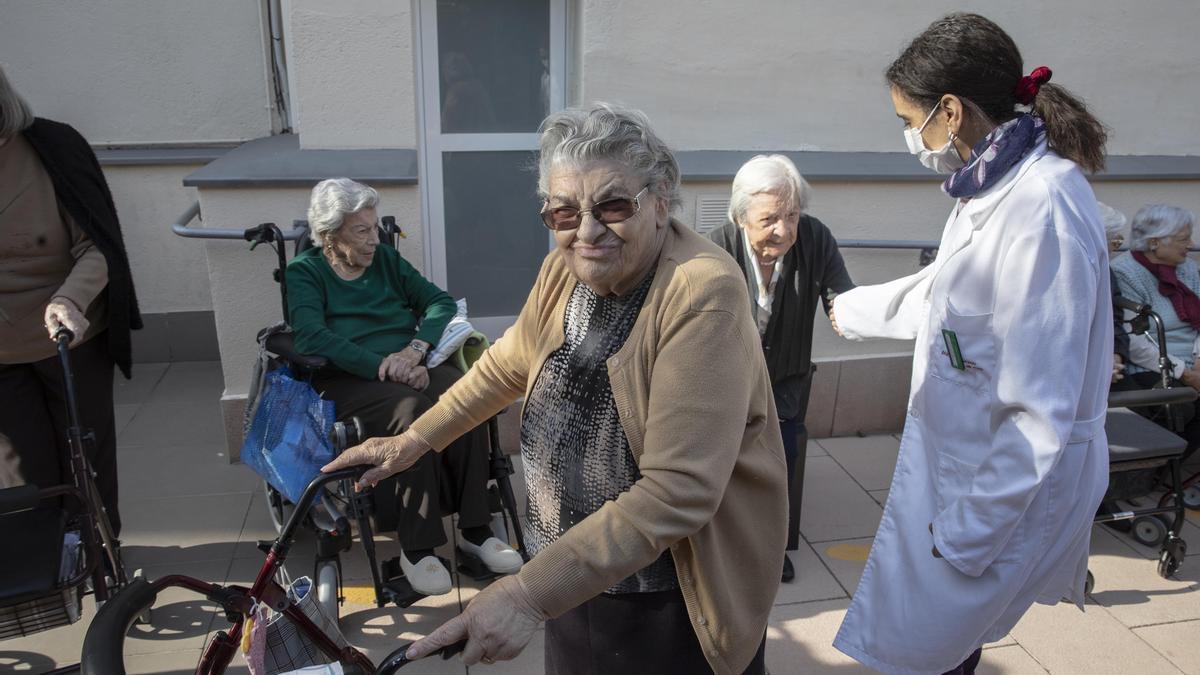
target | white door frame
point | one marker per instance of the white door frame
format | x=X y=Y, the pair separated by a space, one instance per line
x=432 y=143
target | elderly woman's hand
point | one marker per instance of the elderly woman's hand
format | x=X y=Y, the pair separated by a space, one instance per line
x=1118 y=369
x=498 y=624
x=833 y=320
x=418 y=378
x=396 y=366
x=389 y=455
x=63 y=313
x=1192 y=377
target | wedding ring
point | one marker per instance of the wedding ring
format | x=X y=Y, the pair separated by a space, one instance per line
x=488 y=660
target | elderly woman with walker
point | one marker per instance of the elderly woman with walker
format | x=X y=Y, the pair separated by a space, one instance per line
x=657 y=499
x=1004 y=457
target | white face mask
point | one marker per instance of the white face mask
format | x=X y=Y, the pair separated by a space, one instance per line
x=945 y=160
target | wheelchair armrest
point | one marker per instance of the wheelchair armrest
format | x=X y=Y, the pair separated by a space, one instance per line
x=1140 y=398
x=283 y=345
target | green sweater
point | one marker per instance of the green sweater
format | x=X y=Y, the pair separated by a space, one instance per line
x=355 y=324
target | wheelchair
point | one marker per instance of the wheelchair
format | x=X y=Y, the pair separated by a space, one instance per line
x=1145 y=456
x=337 y=506
x=67 y=545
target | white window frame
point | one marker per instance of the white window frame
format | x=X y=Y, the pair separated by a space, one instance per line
x=432 y=142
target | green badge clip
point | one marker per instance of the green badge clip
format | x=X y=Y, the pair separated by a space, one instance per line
x=952 y=349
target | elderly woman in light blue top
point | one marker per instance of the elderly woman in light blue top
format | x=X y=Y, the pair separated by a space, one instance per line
x=1158 y=272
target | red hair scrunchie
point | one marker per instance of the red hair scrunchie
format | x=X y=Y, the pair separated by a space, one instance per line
x=1027 y=88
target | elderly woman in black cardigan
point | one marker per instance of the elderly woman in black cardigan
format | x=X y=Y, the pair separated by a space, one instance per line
x=62 y=264
x=790 y=261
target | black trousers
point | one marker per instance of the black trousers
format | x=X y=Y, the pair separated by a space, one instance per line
x=33 y=416
x=795 y=450
x=631 y=633
x=452 y=481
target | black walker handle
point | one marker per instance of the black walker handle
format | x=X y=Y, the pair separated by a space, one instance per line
x=399 y=658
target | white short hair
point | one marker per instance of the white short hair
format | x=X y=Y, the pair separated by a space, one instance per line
x=15 y=115
x=1114 y=221
x=332 y=200
x=770 y=174
x=1158 y=221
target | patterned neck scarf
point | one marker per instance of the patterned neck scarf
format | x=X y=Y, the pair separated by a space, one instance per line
x=993 y=156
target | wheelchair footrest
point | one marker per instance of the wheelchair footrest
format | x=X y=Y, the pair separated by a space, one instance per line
x=472 y=566
x=395 y=587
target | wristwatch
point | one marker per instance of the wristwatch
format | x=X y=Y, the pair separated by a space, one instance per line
x=419 y=348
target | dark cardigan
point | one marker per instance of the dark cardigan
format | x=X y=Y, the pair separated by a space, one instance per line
x=812 y=269
x=80 y=187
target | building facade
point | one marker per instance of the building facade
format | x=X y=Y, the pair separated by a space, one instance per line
x=243 y=105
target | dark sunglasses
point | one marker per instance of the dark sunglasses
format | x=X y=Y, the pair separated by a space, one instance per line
x=608 y=212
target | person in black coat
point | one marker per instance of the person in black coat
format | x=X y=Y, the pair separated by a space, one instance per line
x=791 y=261
x=62 y=264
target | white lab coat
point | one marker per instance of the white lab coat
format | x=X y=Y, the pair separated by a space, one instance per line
x=1007 y=456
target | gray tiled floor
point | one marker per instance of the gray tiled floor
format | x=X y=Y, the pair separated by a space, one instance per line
x=187 y=510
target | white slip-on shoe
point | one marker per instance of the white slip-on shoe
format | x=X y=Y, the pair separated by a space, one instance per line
x=498 y=556
x=428 y=576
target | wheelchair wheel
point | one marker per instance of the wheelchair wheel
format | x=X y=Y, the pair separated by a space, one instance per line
x=1191 y=497
x=1149 y=531
x=277 y=506
x=327 y=587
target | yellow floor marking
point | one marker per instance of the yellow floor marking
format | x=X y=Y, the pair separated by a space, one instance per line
x=359 y=595
x=851 y=552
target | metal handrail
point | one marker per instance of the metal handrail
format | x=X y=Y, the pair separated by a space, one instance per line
x=181 y=228
x=888 y=244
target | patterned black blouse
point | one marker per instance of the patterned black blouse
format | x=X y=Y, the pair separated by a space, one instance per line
x=575 y=453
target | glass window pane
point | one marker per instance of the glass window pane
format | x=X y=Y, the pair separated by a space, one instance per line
x=495 y=240
x=494 y=59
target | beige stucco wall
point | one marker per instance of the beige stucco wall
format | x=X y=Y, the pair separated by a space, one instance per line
x=169 y=272
x=141 y=71
x=788 y=74
x=353 y=66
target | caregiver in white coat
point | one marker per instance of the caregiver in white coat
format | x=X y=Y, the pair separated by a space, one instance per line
x=1004 y=457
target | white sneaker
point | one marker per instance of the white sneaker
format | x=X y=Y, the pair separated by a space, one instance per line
x=497 y=555
x=428 y=576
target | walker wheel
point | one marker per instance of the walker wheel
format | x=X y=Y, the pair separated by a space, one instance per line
x=1089 y=584
x=1172 y=556
x=1149 y=531
x=1168 y=565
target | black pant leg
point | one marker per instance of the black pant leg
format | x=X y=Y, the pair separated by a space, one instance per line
x=26 y=422
x=93 y=371
x=630 y=633
x=464 y=465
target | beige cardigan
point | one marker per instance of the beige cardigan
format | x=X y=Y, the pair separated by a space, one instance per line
x=694 y=398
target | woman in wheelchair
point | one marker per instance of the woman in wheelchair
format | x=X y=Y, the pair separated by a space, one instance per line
x=368 y=311
x=1158 y=272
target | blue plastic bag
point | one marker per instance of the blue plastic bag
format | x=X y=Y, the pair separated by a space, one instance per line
x=287 y=442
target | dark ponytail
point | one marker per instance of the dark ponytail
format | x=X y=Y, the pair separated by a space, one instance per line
x=1073 y=132
x=971 y=57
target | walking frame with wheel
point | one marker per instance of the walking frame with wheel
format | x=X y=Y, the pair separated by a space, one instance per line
x=67 y=547
x=338 y=505
x=1141 y=452
x=103 y=646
